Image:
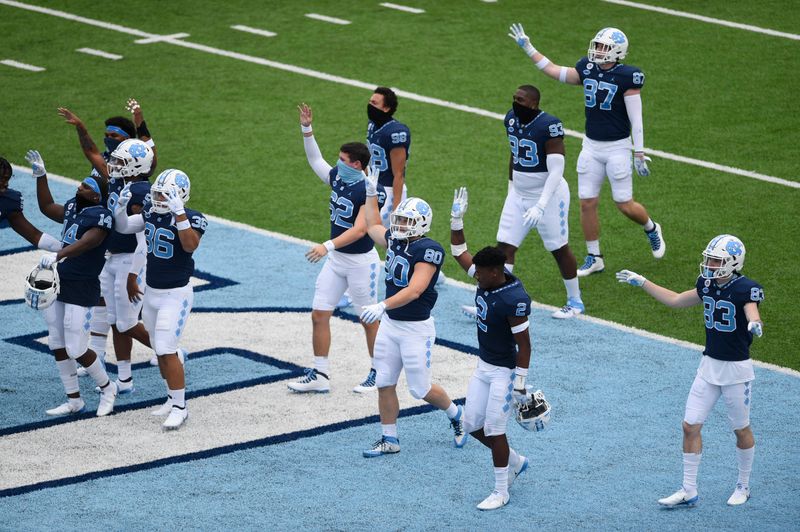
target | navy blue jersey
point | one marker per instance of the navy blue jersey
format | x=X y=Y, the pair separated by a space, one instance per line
x=383 y=140
x=495 y=340
x=346 y=202
x=168 y=264
x=10 y=201
x=527 y=141
x=118 y=242
x=606 y=116
x=401 y=256
x=80 y=276
x=727 y=337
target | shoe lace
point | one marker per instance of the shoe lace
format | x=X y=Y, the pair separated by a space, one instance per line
x=370 y=380
x=380 y=444
x=310 y=375
x=655 y=240
x=587 y=263
x=457 y=427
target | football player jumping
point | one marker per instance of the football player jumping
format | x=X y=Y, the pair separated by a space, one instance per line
x=730 y=310
x=352 y=262
x=613 y=106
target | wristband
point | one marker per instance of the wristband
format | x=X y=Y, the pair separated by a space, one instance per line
x=543 y=62
x=183 y=224
x=142 y=130
x=456 y=224
x=519 y=383
x=151 y=144
x=521 y=371
x=529 y=49
x=562 y=75
x=305 y=129
x=458 y=249
x=329 y=245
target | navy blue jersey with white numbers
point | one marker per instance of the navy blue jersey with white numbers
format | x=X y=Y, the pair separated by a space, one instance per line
x=604 y=90
x=401 y=256
x=346 y=202
x=381 y=141
x=168 y=264
x=727 y=337
x=10 y=201
x=527 y=140
x=118 y=242
x=80 y=276
x=496 y=342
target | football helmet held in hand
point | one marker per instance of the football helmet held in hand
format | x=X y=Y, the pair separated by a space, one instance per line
x=533 y=413
x=42 y=287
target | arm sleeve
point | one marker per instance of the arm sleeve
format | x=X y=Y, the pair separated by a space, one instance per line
x=315 y=160
x=555 y=172
x=633 y=105
x=127 y=224
x=139 y=254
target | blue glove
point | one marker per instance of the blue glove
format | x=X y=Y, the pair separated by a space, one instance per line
x=640 y=163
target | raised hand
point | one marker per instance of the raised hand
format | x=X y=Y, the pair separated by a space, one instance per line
x=306 y=115
x=517 y=33
x=36 y=162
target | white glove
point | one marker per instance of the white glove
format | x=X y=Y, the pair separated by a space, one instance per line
x=373 y=313
x=518 y=34
x=124 y=197
x=459 y=209
x=175 y=203
x=132 y=105
x=48 y=260
x=640 y=163
x=36 y=162
x=632 y=278
x=533 y=215
x=520 y=393
x=756 y=327
x=371 y=181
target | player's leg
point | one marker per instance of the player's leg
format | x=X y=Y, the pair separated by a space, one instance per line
x=150 y=304
x=67 y=368
x=388 y=364
x=362 y=283
x=125 y=317
x=737 y=400
x=591 y=175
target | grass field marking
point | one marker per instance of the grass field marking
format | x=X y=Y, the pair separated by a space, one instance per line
x=99 y=53
x=710 y=20
x=22 y=66
x=162 y=38
x=407 y=9
x=453 y=282
x=370 y=86
x=326 y=18
x=255 y=31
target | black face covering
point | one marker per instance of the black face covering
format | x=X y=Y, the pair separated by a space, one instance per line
x=82 y=203
x=525 y=114
x=377 y=116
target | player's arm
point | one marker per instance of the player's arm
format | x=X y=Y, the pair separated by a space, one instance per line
x=137 y=262
x=187 y=234
x=659 y=293
x=420 y=279
x=520 y=328
x=754 y=323
x=47 y=205
x=122 y=222
x=142 y=132
x=554 y=148
x=372 y=214
x=563 y=74
x=633 y=107
x=88 y=146
x=90 y=240
x=398 y=158
x=314 y=156
x=29 y=232
x=458 y=242
x=358 y=230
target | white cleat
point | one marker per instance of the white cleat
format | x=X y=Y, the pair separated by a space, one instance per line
x=457 y=424
x=591 y=264
x=739 y=496
x=65 y=409
x=520 y=468
x=657 y=244
x=164 y=409
x=470 y=311
x=312 y=381
x=154 y=360
x=494 y=501
x=177 y=416
x=680 y=498
x=369 y=383
x=570 y=310
x=386 y=445
x=107 y=398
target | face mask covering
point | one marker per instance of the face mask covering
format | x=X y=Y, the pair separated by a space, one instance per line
x=348 y=174
x=111 y=144
x=525 y=114
x=377 y=116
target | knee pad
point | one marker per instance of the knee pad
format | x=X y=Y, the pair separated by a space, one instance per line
x=419 y=392
x=99 y=324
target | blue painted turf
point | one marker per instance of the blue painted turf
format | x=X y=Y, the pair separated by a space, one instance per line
x=612 y=449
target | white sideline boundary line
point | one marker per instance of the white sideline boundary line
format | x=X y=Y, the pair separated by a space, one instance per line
x=407 y=9
x=470 y=287
x=710 y=20
x=370 y=86
x=22 y=66
x=254 y=31
x=326 y=18
x=99 y=53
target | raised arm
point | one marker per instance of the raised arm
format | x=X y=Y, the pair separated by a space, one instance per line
x=458 y=242
x=142 y=132
x=47 y=205
x=563 y=74
x=659 y=293
x=122 y=222
x=314 y=156
x=375 y=229
x=88 y=146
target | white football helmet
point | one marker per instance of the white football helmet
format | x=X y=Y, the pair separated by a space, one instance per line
x=534 y=413
x=727 y=249
x=167 y=181
x=42 y=287
x=411 y=218
x=608 y=46
x=131 y=158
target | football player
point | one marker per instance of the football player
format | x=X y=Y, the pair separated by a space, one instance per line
x=11 y=213
x=504 y=349
x=86 y=226
x=352 y=262
x=613 y=105
x=407 y=332
x=730 y=311
x=173 y=233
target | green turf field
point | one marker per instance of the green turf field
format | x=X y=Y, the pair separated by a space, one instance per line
x=713 y=93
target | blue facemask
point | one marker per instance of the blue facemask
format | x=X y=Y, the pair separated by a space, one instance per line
x=111 y=144
x=348 y=174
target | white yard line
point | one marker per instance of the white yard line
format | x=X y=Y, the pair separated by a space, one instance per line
x=99 y=53
x=255 y=31
x=325 y=18
x=461 y=284
x=21 y=66
x=710 y=20
x=161 y=38
x=407 y=9
x=370 y=86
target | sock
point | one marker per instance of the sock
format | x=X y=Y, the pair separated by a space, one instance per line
x=321 y=364
x=124 y=370
x=501 y=480
x=452 y=410
x=98 y=373
x=691 y=462
x=573 y=290
x=68 y=371
x=593 y=247
x=390 y=431
x=510 y=267
x=649 y=226
x=178 y=397
x=513 y=458
x=744 y=457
